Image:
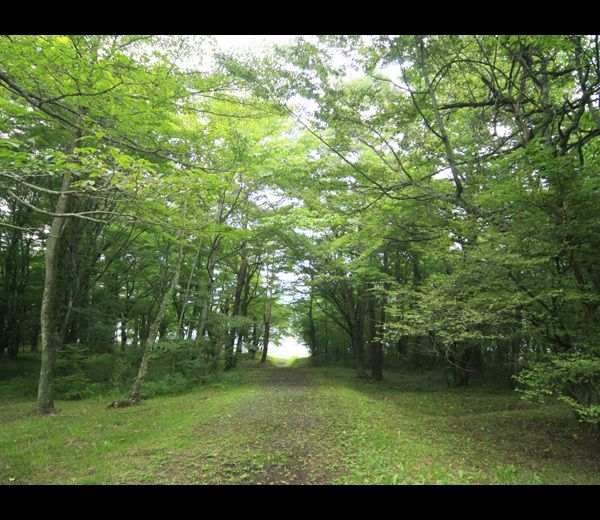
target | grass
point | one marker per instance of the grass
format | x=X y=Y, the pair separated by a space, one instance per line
x=302 y=425
x=408 y=431
x=288 y=362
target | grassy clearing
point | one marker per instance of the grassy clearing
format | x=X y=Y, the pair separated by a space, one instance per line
x=408 y=430
x=299 y=424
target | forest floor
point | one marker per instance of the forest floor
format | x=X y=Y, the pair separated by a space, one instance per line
x=301 y=425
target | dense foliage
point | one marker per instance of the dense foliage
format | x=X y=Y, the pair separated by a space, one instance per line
x=435 y=197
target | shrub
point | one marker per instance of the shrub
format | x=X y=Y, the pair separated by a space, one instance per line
x=84 y=371
x=169 y=384
x=573 y=379
x=74 y=386
x=19 y=386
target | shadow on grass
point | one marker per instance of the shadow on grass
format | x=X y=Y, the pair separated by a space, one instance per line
x=489 y=423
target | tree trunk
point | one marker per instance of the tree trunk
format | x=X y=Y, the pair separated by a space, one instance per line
x=312 y=333
x=163 y=300
x=180 y=329
x=355 y=320
x=375 y=330
x=358 y=346
x=212 y=261
x=49 y=334
x=15 y=276
x=267 y=323
x=243 y=334
x=230 y=355
x=254 y=343
x=123 y=334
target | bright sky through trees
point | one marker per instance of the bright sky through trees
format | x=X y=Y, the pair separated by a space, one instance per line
x=229 y=42
x=289 y=348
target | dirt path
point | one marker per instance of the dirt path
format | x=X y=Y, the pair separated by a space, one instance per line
x=272 y=434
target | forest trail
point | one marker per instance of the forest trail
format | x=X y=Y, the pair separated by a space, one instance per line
x=278 y=428
x=300 y=425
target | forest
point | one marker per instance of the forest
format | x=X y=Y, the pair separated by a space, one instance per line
x=422 y=212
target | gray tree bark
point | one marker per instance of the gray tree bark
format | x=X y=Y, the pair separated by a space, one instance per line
x=50 y=339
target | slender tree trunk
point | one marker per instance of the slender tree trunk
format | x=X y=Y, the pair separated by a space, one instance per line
x=377 y=353
x=190 y=331
x=16 y=272
x=243 y=333
x=212 y=262
x=180 y=331
x=230 y=356
x=375 y=346
x=162 y=329
x=163 y=300
x=267 y=324
x=206 y=300
x=35 y=337
x=357 y=339
x=326 y=345
x=14 y=339
x=354 y=311
x=312 y=333
x=49 y=334
x=123 y=334
x=254 y=348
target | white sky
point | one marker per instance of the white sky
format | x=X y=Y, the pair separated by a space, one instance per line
x=289 y=348
x=232 y=42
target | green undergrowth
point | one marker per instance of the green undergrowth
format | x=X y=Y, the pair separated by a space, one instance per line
x=84 y=372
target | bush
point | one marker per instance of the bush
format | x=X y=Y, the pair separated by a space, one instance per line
x=125 y=369
x=572 y=379
x=19 y=376
x=75 y=386
x=84 y=371
x=20 y=386
x=99 y=367
x=176 y=366
x=81 y=372
x=169 y=384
